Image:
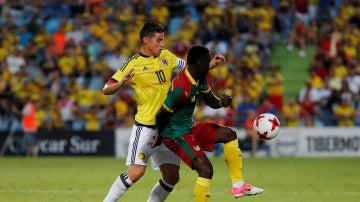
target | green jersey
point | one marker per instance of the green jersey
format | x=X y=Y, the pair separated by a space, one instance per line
x=181 y=100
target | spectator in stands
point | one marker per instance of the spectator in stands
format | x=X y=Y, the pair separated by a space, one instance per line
x=285 y=18
x=308 y=91
x=325 y=110
x=214 y=13
x=315 y=80
x=274 y=84
x=24 y=36
x=298 y=37
x=86 y=97
x=15 y=60
x=265 y=106
x=29 y=127
x=92 y=119
x=109 y=117
x=243 y=110
x=55 y=84
x=179 y=46
x=338 y=68
x=307 y=108
x=353 y=79
x=59 y=39
x=253 y=87
x=345 y=113
x=160 y=12
x=251 y=142
x=355 y=19
x=250 y=59
x=291 y=113
x=117 y=58
x=335 y=83
x=347 y=9
x=66 y=107
x=75 y=33
x=243 y=24
x=301 y=11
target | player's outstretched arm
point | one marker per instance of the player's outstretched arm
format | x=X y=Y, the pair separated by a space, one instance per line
x=111 y=88
x=214 y=102
x=216 y=61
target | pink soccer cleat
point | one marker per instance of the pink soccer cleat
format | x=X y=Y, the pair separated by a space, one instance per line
x=246 y=190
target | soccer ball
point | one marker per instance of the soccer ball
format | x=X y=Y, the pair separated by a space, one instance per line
x=266 y=126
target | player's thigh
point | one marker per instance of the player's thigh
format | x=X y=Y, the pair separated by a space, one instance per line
x=163 y=156
x=205 y=134
x=225 y=134
x=139 y=150
x=186 y=147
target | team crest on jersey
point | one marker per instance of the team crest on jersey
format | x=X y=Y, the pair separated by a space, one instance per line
x=141 y=156
x=186 y=94
x=196 y=148
x=164 y=61
x=145 y=68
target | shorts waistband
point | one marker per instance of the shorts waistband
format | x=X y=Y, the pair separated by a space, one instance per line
x=148 y=126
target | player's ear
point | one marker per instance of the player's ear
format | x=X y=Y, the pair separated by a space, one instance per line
x=146 y=40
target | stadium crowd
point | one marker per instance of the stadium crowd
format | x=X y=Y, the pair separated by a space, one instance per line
x=60 y=53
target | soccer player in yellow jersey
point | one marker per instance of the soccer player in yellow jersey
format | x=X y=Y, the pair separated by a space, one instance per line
x=149 y=74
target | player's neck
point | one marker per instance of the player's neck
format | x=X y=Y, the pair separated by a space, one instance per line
x=193 y=74
x=144 y=52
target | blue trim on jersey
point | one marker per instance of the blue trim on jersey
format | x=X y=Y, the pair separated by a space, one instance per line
x=135 y=144
x=181 y=64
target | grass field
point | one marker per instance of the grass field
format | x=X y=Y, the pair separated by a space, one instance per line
x=87 y=179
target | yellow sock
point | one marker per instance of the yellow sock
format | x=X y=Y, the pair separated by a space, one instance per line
x=233 y=159
x=202 y=190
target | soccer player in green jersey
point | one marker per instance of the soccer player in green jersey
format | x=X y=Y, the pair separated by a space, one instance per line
x=189 y=139
x=149 y=73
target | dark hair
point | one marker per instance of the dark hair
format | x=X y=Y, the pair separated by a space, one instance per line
x=150 y=28
x=196 y=53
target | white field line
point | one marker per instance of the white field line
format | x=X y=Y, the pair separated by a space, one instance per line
x=62 y=191
x=51 y=191
x=354 y=193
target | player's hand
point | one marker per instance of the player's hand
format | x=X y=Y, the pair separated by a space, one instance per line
x=226 y=100
x=127 y=77
x=156 y=141
x=217 y=60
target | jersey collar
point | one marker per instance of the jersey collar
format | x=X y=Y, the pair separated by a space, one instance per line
x=145 y=56
x=188 y=75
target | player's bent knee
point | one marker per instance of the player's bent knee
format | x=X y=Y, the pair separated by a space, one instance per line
x=170 y=173
x=135 y=172
x=205 y=172
x=233 y=135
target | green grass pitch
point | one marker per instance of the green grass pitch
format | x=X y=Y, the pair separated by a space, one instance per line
x=87 y=179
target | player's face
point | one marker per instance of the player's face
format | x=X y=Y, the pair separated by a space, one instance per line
x=156 y=44
x=205 y=65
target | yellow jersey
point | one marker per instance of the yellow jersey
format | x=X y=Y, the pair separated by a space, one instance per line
x=151 y=81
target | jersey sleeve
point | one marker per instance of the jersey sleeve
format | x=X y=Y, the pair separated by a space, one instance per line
x=204 y=86
x=178 y=63
x=173 y=98
x=119 y=74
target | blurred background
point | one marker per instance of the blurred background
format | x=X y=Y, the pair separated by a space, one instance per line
x=297 y=59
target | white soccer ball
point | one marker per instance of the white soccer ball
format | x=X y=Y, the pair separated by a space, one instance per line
x=266 y=126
